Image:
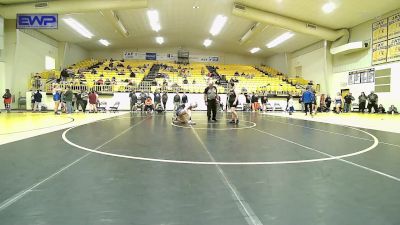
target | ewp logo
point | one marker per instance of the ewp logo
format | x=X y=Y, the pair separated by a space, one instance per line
x=37 y=21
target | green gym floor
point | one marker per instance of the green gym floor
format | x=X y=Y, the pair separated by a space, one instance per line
x=139 y=169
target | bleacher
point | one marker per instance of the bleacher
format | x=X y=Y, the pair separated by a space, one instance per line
x=248 y=78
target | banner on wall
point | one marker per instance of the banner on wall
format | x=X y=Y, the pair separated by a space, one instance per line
x=393 y=50
x=202 y=58
x=380 y=31
x=379 y=53
x=151 y=56
x=361 y=76
x=167 y=57
x=394 y=26
x=135 y=55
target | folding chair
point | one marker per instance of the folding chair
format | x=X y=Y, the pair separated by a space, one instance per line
x=114 y=108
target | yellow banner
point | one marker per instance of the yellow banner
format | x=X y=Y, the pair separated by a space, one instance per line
x=380 y=31
x=393 y=50
x=394 y=26
x=379 y=53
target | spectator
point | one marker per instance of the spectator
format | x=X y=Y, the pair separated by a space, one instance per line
x=184 y=98
x=264 y=100
x=248 y=102
x=148 y=104
x=338 y=103
x=177 y=101
x=381 y=109
x=132 y=74
x=290 y=105
x=57 y=100
x=157 y=97
x=372 y=102
x=38 y=101
x=134 y=100
x=92 y=102
x=82 y=100
x=348 y=99
x=362 y=100
x=7 y=100
x=164 y=100
x=328 y=102
x=68 y=100
x=210 y=98
x=392 y=110
x=254 y=102
x=308 y=99
x=37 y=83
x=322 y=103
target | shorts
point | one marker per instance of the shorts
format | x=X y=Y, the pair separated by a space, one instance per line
x=233 y=105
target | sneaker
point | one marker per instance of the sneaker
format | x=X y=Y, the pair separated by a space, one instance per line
x=215 y=120
x=232 y=121
x=191 y=123
x=237 y=121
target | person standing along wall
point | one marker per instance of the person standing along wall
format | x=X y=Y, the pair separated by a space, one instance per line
x=177 y=101
x=210 y=99
x=184 y=98
x=81 y=100
x=362 y=100
x=38 y=101
x=372 y=102
x=164 y=100
x=56 y=99
x=308 y=99
x=68 y=100
x=7 y=100
x=348 y=99
x=134 y=101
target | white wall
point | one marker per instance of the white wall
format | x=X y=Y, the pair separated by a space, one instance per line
x=279 y=62
x=29 y=58
x=225 y=58
x=73 y=54
x=343 y=64
x=313 y=61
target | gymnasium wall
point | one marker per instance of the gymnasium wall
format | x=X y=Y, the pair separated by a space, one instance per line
x=279 y=62
x=73 y=54
x=224 y=58
x=343 y=64
x=311 y=63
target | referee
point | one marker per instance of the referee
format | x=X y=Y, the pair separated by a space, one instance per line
x=210 y=98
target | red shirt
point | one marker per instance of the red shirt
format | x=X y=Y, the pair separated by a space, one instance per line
x=92 y=98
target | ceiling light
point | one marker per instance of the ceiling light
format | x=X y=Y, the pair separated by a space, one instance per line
x=328 y=7
x=217 y=25
x=279 y=40
x=154 y=20
x=196 y=7
x=160 y=40
x=254 y=50
x=207 y=42
x=104 y=42
x=78 y=27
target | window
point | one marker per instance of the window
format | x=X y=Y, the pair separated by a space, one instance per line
x=50 y=63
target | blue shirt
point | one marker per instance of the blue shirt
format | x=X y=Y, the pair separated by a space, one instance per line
x=308 y=97
x=57 y=96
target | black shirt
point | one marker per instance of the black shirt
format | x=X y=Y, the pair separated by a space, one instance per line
x=184 y=99
x=157 y=97
x=133 y=97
